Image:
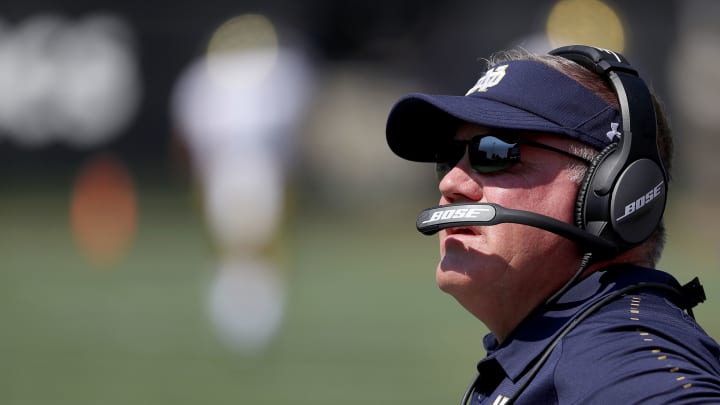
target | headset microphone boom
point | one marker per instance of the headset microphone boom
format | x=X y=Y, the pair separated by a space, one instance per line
x=434 y=219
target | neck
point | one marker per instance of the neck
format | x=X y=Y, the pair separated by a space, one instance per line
x=501 y=327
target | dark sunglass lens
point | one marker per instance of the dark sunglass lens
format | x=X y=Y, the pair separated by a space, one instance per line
x=490 y=154
x=487 y=154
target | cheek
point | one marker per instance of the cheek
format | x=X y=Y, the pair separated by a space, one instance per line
x=560 y=206
x=542 y=200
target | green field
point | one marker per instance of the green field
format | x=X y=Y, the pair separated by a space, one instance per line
x=364 y=322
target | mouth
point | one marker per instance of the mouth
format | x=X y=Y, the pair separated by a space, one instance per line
x=471 y=231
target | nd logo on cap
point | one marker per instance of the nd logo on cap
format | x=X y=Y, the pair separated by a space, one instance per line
x=491 y=78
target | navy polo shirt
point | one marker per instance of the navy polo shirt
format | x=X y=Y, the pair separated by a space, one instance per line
x=638 y=348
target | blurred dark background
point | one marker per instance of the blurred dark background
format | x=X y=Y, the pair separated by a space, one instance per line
x=436 y=43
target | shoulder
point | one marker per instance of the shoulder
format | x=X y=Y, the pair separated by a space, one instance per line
x=637 y=348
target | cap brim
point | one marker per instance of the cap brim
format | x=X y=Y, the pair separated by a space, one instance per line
x=418 y=122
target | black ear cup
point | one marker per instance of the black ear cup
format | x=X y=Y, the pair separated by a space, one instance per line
x=638 y=201
x=585 y=184
x=631 y=210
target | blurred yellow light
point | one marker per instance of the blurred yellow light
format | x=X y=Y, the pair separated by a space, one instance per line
x=243 y=33
x=103 y=211
x=249 y=39
x=586 y=22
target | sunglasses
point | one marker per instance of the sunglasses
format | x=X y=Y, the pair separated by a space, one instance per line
x=488 y=153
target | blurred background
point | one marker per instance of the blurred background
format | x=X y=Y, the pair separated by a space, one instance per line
x=197 y=204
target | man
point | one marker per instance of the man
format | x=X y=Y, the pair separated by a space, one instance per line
x=553 y=173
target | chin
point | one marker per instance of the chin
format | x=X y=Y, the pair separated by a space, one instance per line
x=452 y=280
x=468 y=272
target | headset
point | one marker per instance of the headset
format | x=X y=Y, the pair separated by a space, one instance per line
x=623 y=195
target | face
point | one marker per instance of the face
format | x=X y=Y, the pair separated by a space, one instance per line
x=504 y=271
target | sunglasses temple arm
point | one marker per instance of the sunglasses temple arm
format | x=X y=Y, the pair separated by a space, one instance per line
x=432 y=220
x=556 y=150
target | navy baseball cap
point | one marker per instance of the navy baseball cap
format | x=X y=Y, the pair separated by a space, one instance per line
x=516 y=95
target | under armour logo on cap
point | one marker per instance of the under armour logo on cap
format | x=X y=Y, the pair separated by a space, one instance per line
x=613 y=134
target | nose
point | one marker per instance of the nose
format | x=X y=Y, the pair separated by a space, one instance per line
x=461 y=184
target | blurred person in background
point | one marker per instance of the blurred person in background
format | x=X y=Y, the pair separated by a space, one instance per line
x=553 y=173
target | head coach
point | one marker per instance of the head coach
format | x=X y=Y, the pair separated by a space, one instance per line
x=553 y=174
